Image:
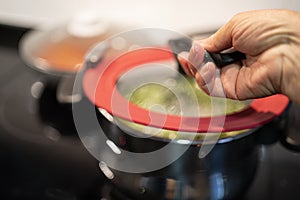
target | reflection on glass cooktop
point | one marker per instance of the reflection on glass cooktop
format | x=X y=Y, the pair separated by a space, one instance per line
x=43 y=158
x=39 y=160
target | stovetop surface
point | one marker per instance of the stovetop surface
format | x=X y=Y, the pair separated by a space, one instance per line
x=42 y=158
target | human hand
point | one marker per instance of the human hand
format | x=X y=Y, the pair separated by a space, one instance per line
x=271 y=41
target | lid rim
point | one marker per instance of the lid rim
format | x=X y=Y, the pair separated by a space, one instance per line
x=260 y=111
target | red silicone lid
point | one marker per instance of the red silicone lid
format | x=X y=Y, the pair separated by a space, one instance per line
x=99 y=84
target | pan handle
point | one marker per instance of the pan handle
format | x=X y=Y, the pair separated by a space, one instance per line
x=65 y=93
x=95 y=56
x=223 y=59
x=290 y=138
x=220 y=59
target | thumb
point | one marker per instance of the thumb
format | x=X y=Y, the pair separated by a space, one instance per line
x=219 y=41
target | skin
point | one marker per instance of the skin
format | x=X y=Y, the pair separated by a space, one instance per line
x=271 y=41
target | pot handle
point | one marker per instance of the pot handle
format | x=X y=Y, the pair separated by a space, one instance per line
x=64 y=93
x=219 y=59
x=290 y=138
x=95 y=56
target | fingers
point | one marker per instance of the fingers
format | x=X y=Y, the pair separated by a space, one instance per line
x=192 y=61
x=214 y=81
x=183 y=60
x=209 y=80
x=258 y=34
x=207 y=75
x=229 y=77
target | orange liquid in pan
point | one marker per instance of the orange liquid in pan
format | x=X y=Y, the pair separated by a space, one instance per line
x=66 y=55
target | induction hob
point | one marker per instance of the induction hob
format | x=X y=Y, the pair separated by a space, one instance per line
x=42 y=158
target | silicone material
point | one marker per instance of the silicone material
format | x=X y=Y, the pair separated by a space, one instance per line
x=99 y=84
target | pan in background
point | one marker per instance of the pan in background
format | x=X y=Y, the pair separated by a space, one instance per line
x=61 y=49
x=58 y=51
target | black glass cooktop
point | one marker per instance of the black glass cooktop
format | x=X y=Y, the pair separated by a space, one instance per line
x=41 y=156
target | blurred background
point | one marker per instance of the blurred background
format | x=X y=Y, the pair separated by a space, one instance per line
x=174 y=14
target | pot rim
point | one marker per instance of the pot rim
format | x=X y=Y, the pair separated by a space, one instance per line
x=190 y=139
x=29 y=43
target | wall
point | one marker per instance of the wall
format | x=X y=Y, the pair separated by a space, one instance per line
x=174 y=14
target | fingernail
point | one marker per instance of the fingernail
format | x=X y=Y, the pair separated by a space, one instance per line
x=196 y=55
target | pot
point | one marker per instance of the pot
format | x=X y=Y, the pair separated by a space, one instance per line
x=56 y=52
x=210 y=155
x=225 y=173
